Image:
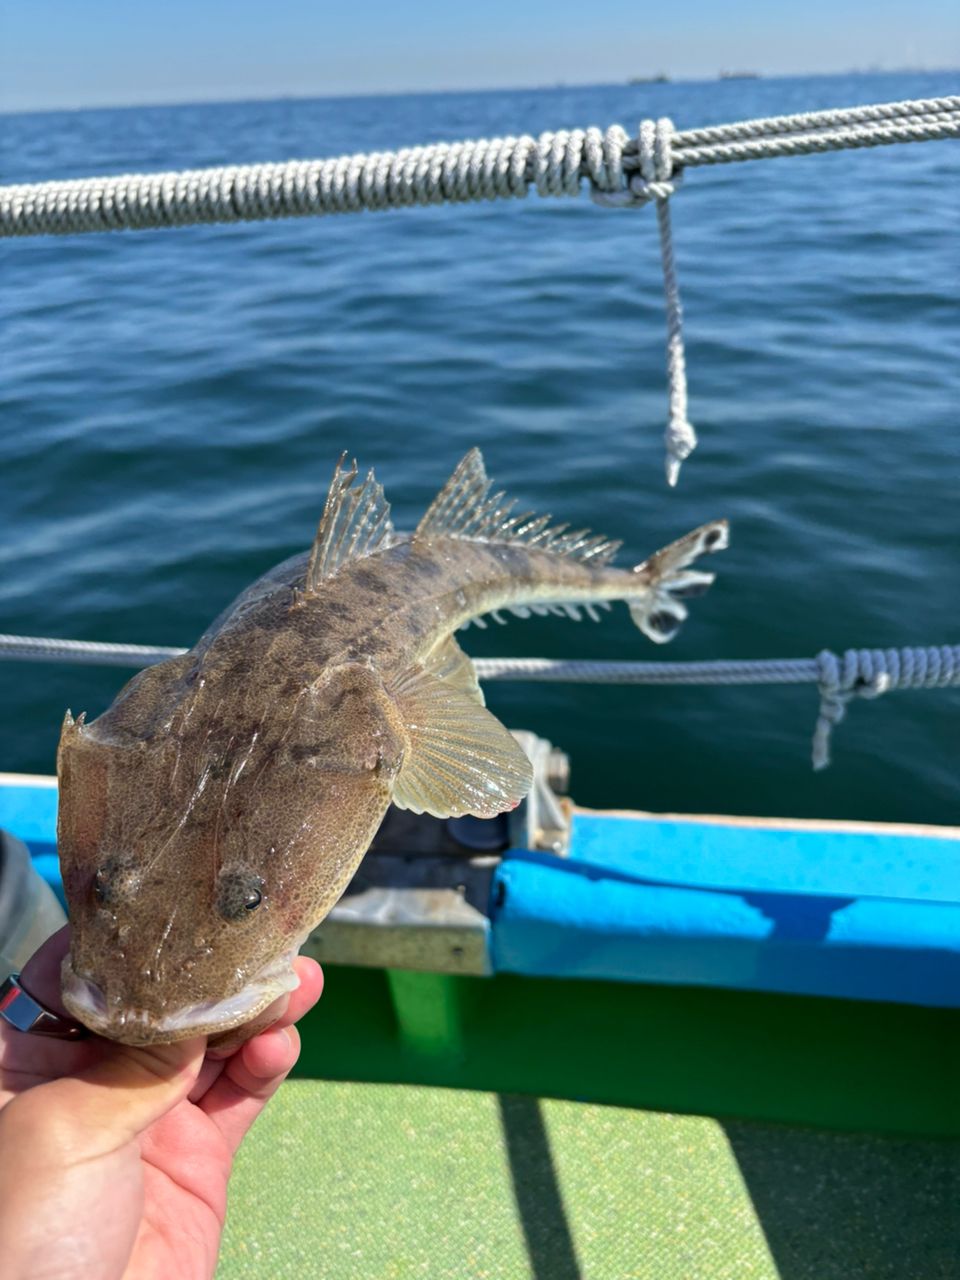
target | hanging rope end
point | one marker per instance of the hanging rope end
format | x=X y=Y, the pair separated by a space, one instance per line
x=681 y=440
x=821 y=746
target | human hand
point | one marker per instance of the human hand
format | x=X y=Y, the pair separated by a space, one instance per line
x=114 y=1160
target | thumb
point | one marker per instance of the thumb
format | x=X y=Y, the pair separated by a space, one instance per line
x=115 y=1099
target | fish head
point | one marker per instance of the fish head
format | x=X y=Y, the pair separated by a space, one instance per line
x=195 y=864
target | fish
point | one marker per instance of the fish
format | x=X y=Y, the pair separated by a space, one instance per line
x=213 y=815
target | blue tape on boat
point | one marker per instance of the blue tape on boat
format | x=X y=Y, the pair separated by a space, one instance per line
x=864 y=914
x=29 y=811
x=836 y=861
x=867 y=915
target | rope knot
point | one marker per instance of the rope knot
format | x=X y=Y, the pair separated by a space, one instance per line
x=656 y=180
x=861 y=673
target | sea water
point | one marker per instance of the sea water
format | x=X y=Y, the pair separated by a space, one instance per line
x=173 y=403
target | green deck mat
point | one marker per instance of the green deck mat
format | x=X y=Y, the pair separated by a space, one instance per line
x=344 y=1181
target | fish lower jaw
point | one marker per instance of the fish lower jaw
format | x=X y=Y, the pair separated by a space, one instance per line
x=86 y=1002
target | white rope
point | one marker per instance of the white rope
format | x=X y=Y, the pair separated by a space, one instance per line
x=658 y=182
x=864 y=673
x=812 y=121
x=879 y=124
x=589 y=671
x=555 y=164
x=86 y=652
x=622 y=173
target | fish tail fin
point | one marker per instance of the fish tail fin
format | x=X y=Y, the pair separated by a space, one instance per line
x=668 y=580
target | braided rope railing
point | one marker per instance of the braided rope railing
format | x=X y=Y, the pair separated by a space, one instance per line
x=864 y=673
x=621 y=172
x=555 y=164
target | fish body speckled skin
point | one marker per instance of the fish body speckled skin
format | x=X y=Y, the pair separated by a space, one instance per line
x=214 y=814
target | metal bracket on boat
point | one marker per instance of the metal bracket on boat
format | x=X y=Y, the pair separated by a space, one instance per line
x=545 y=814
x=420 y=897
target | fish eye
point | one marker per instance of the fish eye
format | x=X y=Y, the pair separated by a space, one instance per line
x=239 y=893
x=114 y=880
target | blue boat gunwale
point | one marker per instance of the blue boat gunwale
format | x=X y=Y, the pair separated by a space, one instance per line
x=762 y=904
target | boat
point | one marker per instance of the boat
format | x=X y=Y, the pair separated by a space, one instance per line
x=580 y=1018
x=575 y=1043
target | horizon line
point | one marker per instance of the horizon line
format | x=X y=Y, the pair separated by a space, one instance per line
x=720 y=77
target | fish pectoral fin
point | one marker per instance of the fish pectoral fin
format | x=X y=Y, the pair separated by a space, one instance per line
x=448 y=662
x=460 y=758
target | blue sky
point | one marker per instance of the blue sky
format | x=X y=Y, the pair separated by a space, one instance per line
x=70 y=53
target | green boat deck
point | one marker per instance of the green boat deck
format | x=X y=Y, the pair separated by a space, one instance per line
x=345 y=1181
x=526 y=1129
x=571 y=1128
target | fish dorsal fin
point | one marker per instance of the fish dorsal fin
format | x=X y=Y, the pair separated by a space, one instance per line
x=355 y=523
x=460 y=759
x=464 y=508
x=448 y=662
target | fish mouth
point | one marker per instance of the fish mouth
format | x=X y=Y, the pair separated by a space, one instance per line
x=85 y=1000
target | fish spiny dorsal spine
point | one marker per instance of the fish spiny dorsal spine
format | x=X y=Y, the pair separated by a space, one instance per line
x=355 y=523
x=463 y=509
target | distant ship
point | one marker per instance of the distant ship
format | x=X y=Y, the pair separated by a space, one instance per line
x=739 y=75
x=657 y=79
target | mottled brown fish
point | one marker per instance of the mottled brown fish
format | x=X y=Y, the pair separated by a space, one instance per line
x=214 y=814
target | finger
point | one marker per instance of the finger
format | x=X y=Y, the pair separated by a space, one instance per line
x=307 y=993
x=302 y=999
x=259 y=1047
x=41 y=973
x=229 y=1042
x=267 y=1058
x=128 y=1089
x=28 y=1060
x=282 y=1013
x=210 y=1072
x=249 y=1079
